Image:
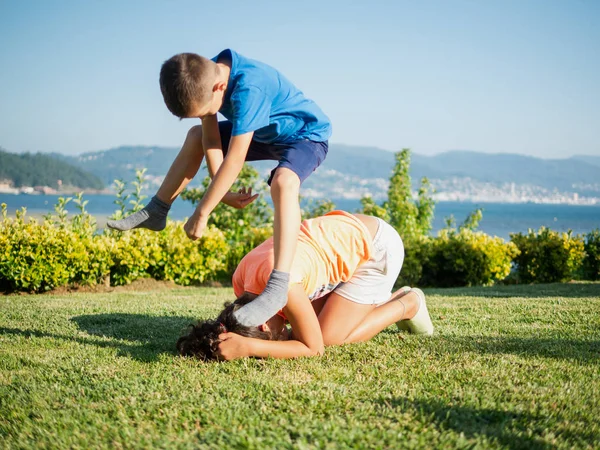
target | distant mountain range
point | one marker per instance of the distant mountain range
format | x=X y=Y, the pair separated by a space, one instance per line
x=371 y=162
x=352 y=171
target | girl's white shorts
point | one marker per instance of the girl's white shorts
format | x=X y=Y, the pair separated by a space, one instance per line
x=373 y=281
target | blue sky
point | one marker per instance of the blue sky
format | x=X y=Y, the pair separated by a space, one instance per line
x=492 y=76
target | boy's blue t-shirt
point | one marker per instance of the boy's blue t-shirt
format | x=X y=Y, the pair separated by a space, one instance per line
x=260 y=99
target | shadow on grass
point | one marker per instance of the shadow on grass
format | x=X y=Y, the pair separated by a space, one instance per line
x=508 y=428
x=587 y=352
x=140 y=337
x=569 y=349
x=568 y=290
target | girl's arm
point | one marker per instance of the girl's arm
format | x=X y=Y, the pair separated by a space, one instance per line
x=307 y=333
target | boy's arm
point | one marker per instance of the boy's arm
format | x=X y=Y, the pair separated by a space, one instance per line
x=211 y=142
x=222 y=180
x=308 y=339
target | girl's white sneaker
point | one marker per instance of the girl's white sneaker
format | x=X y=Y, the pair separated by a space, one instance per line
x=421 y=323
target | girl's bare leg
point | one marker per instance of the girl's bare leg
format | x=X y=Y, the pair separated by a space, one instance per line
x=339 y=317
x=400 y=307
x=343 y=321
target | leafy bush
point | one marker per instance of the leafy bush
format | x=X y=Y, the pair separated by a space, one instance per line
x=415 y=253
x=187 y=262
x=547 y=256
x=466 y=258
x=39 y=257
x=591 y=263
x=456 y=257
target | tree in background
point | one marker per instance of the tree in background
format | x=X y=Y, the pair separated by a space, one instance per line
x=411 y=218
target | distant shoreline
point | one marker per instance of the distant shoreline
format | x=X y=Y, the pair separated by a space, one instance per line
x=499 y=219
x=444 y=199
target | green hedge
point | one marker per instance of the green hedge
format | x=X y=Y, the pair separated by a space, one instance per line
x=38 y=257
x=548 y=256
x=591 y=263
x=465 y=258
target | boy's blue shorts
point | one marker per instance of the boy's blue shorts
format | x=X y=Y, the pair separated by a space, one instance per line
x=302 y=157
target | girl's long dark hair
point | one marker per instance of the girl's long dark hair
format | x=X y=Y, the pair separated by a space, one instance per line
x=202 y=341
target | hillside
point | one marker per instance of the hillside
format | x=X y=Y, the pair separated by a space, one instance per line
x=371 y=162
x=588 y=159
x=39 y=169
x=353 y=171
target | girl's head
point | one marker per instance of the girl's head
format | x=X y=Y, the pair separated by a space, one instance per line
x=203 y=339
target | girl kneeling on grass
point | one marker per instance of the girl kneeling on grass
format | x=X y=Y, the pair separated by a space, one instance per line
x=340 y=292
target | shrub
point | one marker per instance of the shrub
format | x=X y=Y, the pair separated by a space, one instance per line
x=591 y=263
x=38 y=257
x=412 y=219
x=415 y=253
x=132 y=253
x=187 y=262
x=466 y=258
x=547 y=256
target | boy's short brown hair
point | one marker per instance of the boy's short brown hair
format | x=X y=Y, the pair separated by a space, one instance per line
x=186 y=80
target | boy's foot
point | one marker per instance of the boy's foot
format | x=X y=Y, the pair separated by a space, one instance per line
x=421 y=322
x=266 y=305
x=153 y=217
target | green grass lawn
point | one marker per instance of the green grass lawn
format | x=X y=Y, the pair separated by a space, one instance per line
x=510 y=366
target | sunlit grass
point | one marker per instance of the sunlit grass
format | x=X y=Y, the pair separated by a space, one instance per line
x=510 y=366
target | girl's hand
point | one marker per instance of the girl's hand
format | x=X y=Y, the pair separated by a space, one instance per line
x=233 y=346
x=239 y=199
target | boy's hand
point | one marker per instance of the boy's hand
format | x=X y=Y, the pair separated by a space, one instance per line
x=239 y=199
x=195 y=226
x=232 y=346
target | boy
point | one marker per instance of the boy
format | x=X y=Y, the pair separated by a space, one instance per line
x=267 y=118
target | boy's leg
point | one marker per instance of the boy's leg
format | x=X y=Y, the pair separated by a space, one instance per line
x=285 y=190
x=297 y=161
x=154 y=215
x=184 y=168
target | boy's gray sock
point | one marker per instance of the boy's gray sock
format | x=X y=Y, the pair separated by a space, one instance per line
x=153 y=217
x=266 y=305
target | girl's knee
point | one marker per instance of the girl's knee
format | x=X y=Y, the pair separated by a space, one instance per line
x=333 y=339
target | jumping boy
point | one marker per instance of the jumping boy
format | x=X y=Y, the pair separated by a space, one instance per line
x=268 y=118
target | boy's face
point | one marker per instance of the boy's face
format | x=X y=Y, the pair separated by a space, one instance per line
x=213 y=105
